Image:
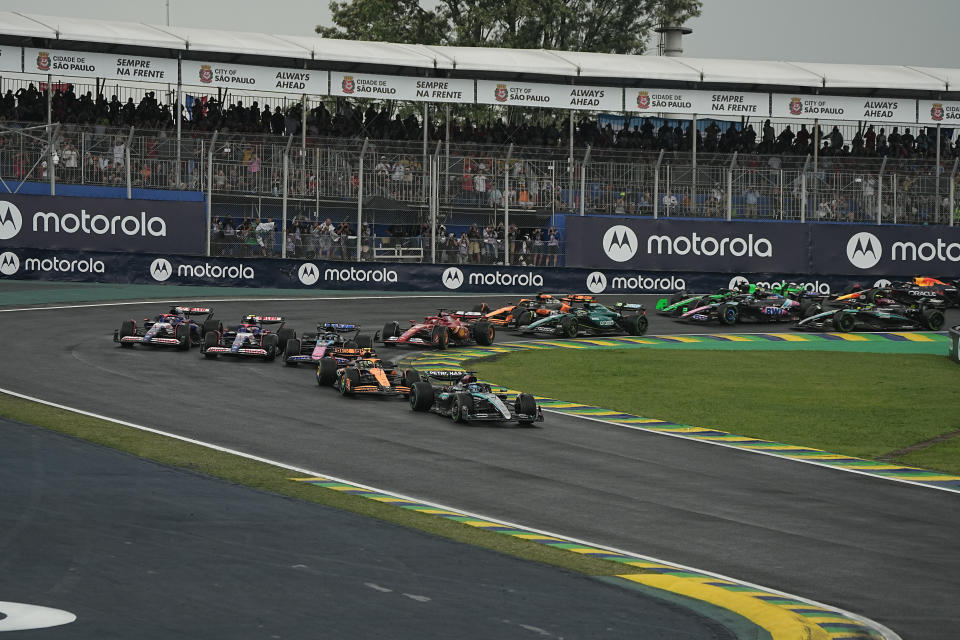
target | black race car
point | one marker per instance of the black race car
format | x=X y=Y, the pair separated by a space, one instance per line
x=463 y=399
x=873 y=317
x=176 y=328
x=249 y=339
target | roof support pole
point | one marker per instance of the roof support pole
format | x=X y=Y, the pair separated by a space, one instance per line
x=583 y=180
x=936 y=174
x=506 y=206
x=126 y=151
x=52 y=157
x=303 y=139
x=816 y=160
x=425 y=166
x=953 y=190
x=363 y=153
x=213 y=143
x=177 y=108
x=286 y=188
x=883 y=166
x=693 y=166
x=446 y=143
x=570 y=155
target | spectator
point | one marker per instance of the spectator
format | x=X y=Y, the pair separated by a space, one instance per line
x=751 y=198
x=264 y=236
x=553 y=247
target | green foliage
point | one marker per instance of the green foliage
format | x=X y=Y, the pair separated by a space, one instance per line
x=606 y=26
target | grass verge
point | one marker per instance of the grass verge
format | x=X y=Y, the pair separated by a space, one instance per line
x=265 y=477
x=859 y=404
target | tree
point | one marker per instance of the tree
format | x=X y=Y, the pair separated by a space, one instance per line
x=606 y=26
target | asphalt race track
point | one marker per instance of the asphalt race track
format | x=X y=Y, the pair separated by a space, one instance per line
x=880 y=549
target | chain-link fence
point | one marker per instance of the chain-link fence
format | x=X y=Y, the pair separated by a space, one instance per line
x=309 y=197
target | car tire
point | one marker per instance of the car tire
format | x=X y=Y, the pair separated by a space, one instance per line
x=636 y=325
x=411 y=377
x=390 y=330
x=291 y=348
x=269 y=344
x=421 y=396
x=729 y=314
x=349 y=381
x=677 y=297
x=365 y=342
x=483 y=307
x=844 y=322
x=326 y=372
x=284 y=335
x=526 y=404
x=484 y=333
x=182 y=334
x=526 y=317
x=210 y=325
x=933 y=319
x=569 y=327
x=460 y=402
x=810 y=310
x=210 y=339
x=440 y=338
x=127 y=328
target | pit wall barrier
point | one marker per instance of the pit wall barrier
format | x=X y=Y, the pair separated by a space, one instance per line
x=152 y=268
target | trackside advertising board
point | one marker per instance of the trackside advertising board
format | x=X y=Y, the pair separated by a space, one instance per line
x=876 y=250
x=681 y=245
x=100 y=65
x=131 y=268
x=102 y=224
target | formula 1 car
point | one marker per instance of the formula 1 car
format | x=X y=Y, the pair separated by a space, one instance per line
x=583 y=315
x=328 y=340
x=760 y=306
x=248 y=339
x=682 y=301
x=871 y=317
x=468 y=400
x=448 y=328
x=367 y=375
x=523 y=312
x=176 y=328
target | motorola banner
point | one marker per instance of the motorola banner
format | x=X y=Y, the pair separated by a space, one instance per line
x=102 y=224
x=686 y=245
x=129 y=268
x=873 y=250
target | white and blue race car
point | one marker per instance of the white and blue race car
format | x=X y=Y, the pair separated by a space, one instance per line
x=176 y=328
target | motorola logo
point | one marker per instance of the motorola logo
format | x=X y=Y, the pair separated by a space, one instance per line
x=308 y=273
x=620 y=243
x=10 y=220
x=452 y=278
x=596 y=282
x=864 y=250
x=9 y=263
x=161 y=269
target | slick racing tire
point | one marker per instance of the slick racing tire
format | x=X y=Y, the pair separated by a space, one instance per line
x=390 y=330
x=484 y=333
x=526 y=317
x=527 y=405
x=440 y=338
x=127 y=328
x=844 y=321
x=283 y=337
x=569 y=327
x=210 y=325
x=411 y=377
x=677 y=297
x=291 y=348
x=326 y=372
x=210 y=339
x=182 y=334
x=269 y=344
x=636 y=325
x=421 y=396
x=729 y=314
x=933 y=319
x=461 y=404
x=481 y=308
x=365 y=342
x=810 y=309
x=349 y=381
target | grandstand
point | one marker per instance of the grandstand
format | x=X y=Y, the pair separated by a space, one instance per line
x=415 y=168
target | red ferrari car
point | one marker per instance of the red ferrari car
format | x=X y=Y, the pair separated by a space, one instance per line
x=448 y=328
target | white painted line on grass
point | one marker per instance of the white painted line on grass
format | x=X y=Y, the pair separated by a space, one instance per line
x=888 y=634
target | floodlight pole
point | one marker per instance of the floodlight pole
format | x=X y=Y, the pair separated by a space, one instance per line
x=693 y=166
x=51 y=167
x=363 y=152
x=936 y=194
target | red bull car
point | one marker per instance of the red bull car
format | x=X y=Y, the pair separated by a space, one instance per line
x=250 y=339
x=176 y=328
x=448 y=328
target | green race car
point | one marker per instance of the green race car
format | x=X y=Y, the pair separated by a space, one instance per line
x=584 y=316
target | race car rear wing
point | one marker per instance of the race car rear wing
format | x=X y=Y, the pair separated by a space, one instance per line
x=264 y=319
x=190 y=311
x=444 y=374
x=337 y=327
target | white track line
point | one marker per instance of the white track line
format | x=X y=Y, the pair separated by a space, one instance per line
x=888 y=634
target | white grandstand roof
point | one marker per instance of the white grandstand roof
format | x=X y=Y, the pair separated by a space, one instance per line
x=529 y=62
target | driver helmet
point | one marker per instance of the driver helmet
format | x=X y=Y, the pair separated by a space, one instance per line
x=467 y=379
